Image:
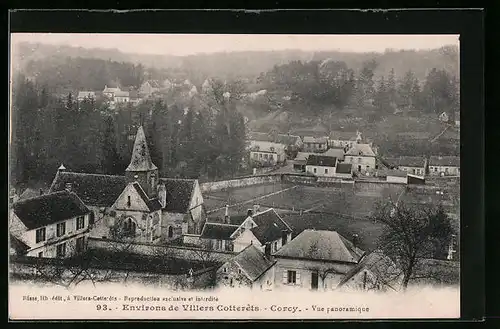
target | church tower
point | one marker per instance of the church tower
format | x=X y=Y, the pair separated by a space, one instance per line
x=141 y=168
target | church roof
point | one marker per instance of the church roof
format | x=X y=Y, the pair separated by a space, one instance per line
x=141 y=159
x=179 y=192
x=93 y=189
x=152 y=204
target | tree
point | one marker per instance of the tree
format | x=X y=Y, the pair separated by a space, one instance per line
x=438 y=92
x=411 y=234
x=382 y=97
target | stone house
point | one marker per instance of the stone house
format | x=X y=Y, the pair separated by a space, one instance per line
x=121 y=97
x=83 y=95
x=375 y=271
x=444 y=166
x=315 y=144
x=266 y=230
x=410 y=164
x=393 y=176
x=362 y=158
x=251 y=268
x=319 y=165
x=315 y=260
x=109 y=92
x=344 y=139
x=137 y=202
x=149 y=87
x=266 y=153
x=51 y=225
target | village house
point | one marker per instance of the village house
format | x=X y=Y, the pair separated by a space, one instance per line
x=315 y=144
x=412 y=165
x=443 y=117
x=299 y=163
x=266 y=153
x=51 y=225
x=139 y=206
x=344 y=139
x=266 y=230
x=393 y=176
x=444 y=166
x=343 y=170
x=319 y=165
x=288 y=142
x=121 y=97
x=149 y=87
x=362 y=158
x=83 y=95
x=251 y=268
x=315 y=260
x=109 y=92
x=374 y=272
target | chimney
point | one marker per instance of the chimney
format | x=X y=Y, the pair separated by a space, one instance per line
x=41 y=192
x=256 y=208
x=355 y=240
x=249 y=212
x=226 y=215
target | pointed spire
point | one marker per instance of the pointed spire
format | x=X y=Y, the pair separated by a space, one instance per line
x=61 y=167
x=141 y=160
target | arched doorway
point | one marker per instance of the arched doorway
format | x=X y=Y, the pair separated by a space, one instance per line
x=129 y=227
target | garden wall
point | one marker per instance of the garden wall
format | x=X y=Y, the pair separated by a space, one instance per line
x=239 y=182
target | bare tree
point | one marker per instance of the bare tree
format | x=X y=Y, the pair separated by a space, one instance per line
x=411 y=234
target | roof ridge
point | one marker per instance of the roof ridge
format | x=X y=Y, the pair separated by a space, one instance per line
x=43 y=196
x=215 y=223
x=88 y=174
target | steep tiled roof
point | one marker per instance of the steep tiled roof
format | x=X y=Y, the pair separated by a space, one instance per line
x=29 y=193
x=253 y=262
x=49 y=208
x=344 y=168
x=141 y=159
x=320 y=160
x=179 y=193
x=93 y=189
x=376 y=262
x=335 y=152
x=218 y=231
x=270 y=226
x=452 y=161
x=321 y=245
x=153 y=204
x=361 y=150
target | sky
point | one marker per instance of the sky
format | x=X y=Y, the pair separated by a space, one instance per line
x=186 y=44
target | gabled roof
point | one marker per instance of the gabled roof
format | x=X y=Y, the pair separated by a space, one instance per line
x=93 y=189
x=451 y=161
x=376 y=262
x=270 y=226
x=335 y=152
x=152 y=204
x=141 y=159
x=311 y=139
x=344 y=168
x=361 y=150
x=110 y=90
x=28 y=194
x=218 y=231
x=320 y=160
x=179 y=192
x=302 y=156
x=154 y=83
x=321 y=246
x=49 y=208
x=19 y=246
x=253 y=262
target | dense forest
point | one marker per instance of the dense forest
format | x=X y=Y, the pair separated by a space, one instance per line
x=205 y=140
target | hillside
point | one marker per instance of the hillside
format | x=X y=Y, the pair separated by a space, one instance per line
x=251 y=63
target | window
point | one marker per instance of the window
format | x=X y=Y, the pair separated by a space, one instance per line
x=260 y=155
x=265 y=156
x=276 y=246
x=239 y=271
x=314 y=170
x=129 y=227
x=40 y=254
x=80 y=222
x=224 y=270
x=326 y=171
x=40 y=235
x=128 y=201
x=255 y=156
x=170 y=231
x=80 y=244
x=61 y=250
x=61 y=229
x=291 y=277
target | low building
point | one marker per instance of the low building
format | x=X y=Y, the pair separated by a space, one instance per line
x=51 y=225
x=375 y=272
x=149 y=87
x=344 y=139
x=315 y=260
x=343 y=170
x=319 y=165
x=266 y=153
x=443 y=117
x=337 y=152
x=83 y=95
x=444 y=166
x=315 y=144
x=122 y=97
x=393 y=176
x=412 y=165
x=289 y=142
x=250 y=268
x=109 y=92
x=299 y=163
x=362 y=158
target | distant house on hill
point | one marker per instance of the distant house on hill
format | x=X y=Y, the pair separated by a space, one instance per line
x=362 y=157
x=319 y=165
x=344 y=139
x=122 y=97
x=315 y=260
x=315 y=144
x=250 y=268
x=412 y=165
x=443 y=117
x=109 y=92
x=149 y=87
x=83 y=95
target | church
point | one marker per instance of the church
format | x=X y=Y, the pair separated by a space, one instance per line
x=139 y=206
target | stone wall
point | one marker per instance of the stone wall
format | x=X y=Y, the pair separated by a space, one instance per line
x=239 y=182
x=188 y=253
